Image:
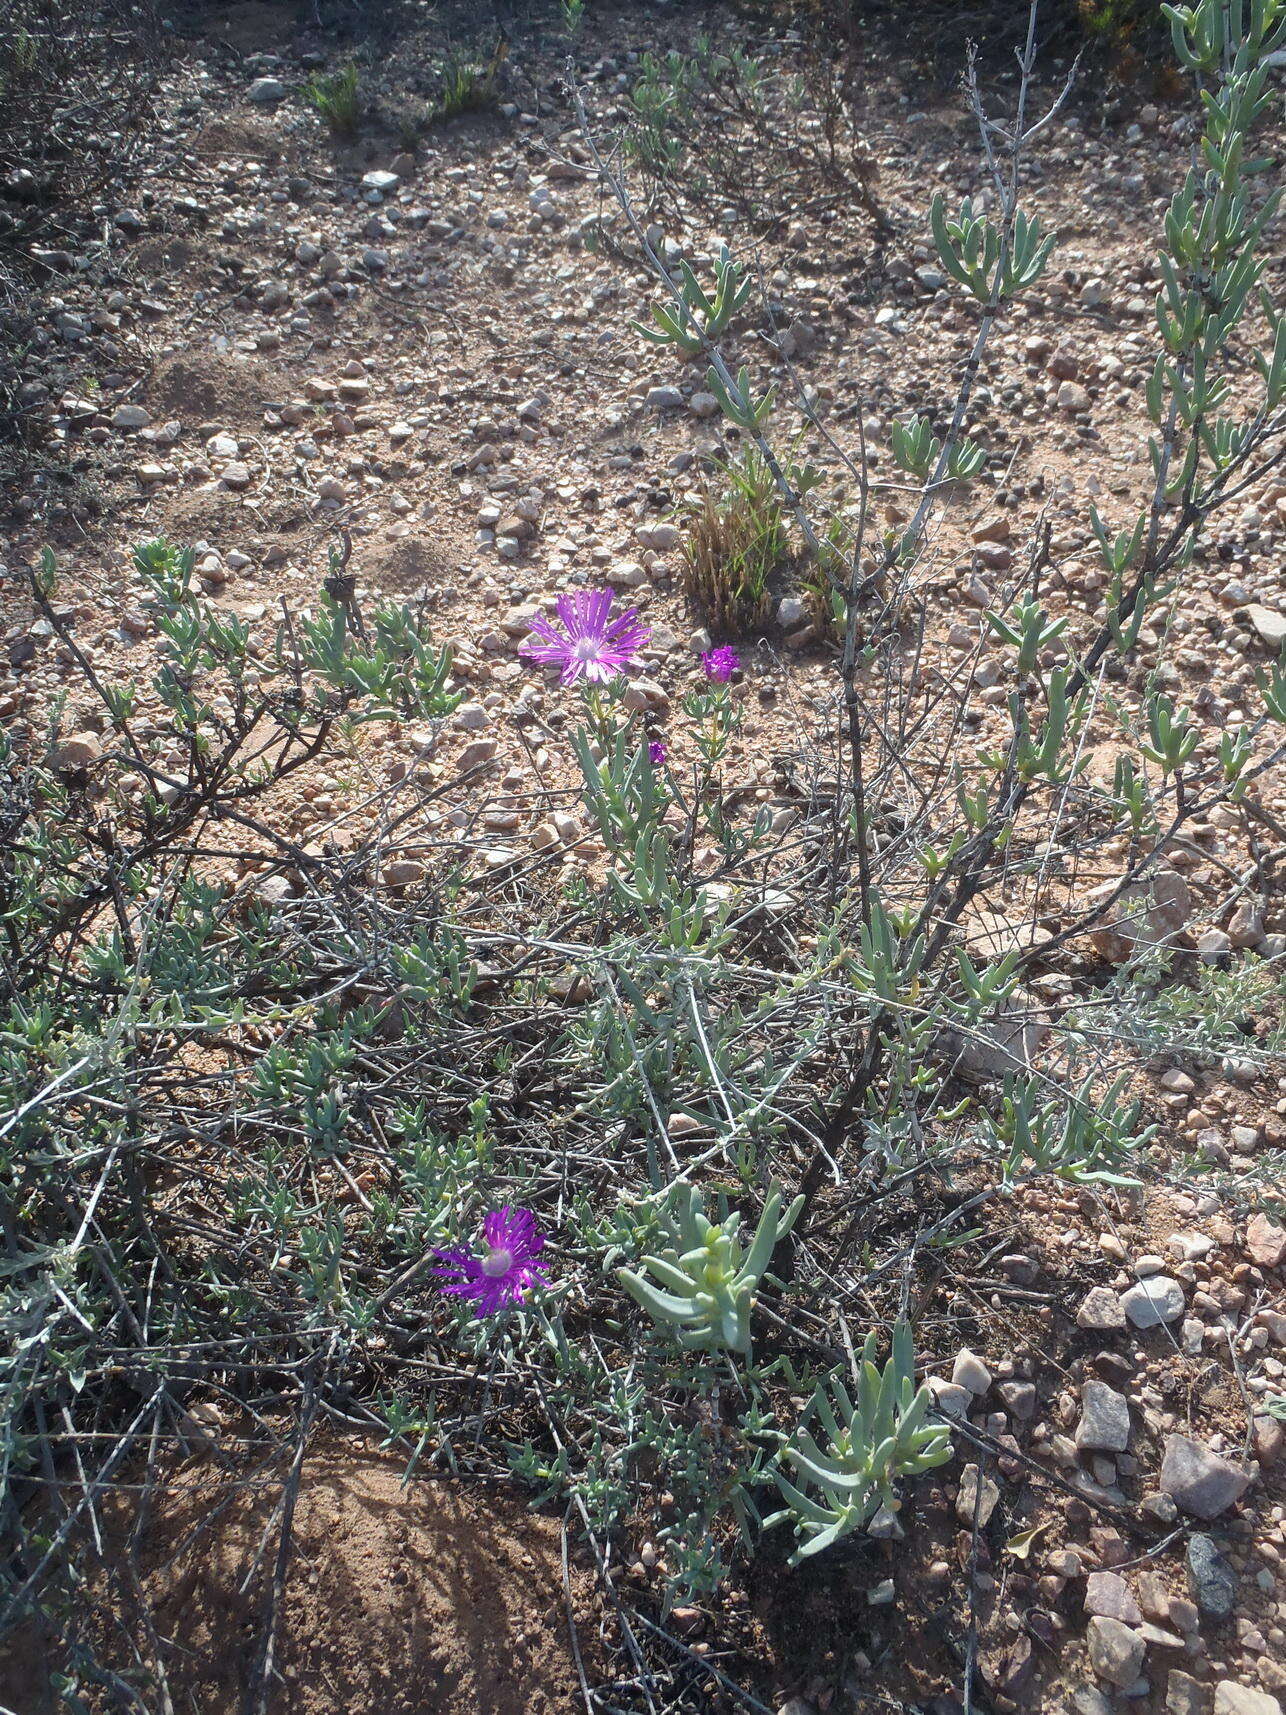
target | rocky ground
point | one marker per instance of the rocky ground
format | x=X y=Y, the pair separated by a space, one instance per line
x=272 y=338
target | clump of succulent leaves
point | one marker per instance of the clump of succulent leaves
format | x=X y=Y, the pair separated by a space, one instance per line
x=870 y=1437
x=704 y=1281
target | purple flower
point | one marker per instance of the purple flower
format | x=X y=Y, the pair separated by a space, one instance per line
x=720 y=664
x=590 y=643
x=656 y=752
x=509 y=1267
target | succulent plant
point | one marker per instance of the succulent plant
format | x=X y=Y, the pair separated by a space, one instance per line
x=869 y=1445
x=708 y=1278
x=696 y=317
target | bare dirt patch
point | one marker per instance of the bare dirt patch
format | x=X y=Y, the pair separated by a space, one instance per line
x=419 y=1598
x=196 y=387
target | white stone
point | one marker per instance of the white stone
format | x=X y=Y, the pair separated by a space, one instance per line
x=1151 y=1302
x=1234 y=1699
x=970 y=1372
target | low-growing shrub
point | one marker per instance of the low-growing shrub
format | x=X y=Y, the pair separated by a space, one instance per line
x=336 y=97
x=737 y=542
x=466 y=85
x=581 y=1174
x=759 y=132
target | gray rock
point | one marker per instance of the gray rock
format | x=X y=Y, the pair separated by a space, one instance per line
x=951 y=1400
x=1116 y=1650
x=1105 y=1419
x=1019 y=1399
x=380 y=181
x=885 y=1526
x=1160 y=1508
x=1184 y=1695
x=662 y=537
x=1198 y=1480
x=1214 y=946
x=1089 y=1700
x=1151 y=1302
x=1211 y=1579
x=131 y=417
x=663 y=399
x=1003 y=1042
x=977 y=1498
x=266 y=91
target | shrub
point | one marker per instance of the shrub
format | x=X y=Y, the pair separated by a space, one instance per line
x=737 y=542
x=336 y=97
x=389 y=1126
x=467 y=86
x=689 y=115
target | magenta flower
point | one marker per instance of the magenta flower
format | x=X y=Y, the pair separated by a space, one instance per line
x=590 y=644
x=656 y=752
x=509 y=1267
x=720 y=664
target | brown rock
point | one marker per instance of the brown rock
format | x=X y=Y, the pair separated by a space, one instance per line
x=1149 y=913
x=1265 y=1241
x=1270 y=1440
x=1197 y=1479
x=1108 y=1595
x=79 y=750
x=475 y=754
x=403 y=872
